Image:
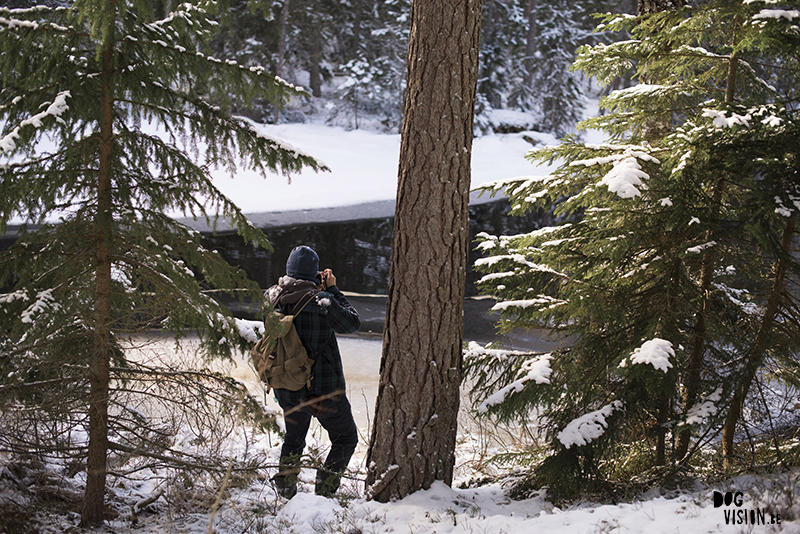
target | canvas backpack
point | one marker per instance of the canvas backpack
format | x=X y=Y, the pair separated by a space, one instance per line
x=279 y=357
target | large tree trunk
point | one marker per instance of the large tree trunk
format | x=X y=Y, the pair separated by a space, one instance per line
x=93 y=499
x=413 y=440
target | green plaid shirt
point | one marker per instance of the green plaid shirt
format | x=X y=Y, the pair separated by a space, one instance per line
x=330 y=312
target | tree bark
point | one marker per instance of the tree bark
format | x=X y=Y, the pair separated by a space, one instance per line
x=413 y=439
x=93 y=499
x=694 y=365
x=530 y=40
x=355 y=42
x=664 y=410
x=315 y=75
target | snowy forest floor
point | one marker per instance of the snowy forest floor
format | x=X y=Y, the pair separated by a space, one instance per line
x=46 y=499
x=145 y=496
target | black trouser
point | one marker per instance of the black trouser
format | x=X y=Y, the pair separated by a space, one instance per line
x=336 y=417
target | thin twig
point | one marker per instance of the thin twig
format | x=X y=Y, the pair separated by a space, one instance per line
x=219 y=497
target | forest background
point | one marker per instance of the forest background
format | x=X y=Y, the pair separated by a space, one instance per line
x=351 y=57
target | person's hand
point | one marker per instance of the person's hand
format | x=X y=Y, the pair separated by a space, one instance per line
x=328 y=279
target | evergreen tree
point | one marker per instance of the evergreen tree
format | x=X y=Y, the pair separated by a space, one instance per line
x=526 y=49
x=105 y=134
x=672 y=273
x=361 y=42
x=251 y=38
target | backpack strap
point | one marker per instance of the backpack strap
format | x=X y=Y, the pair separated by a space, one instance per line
x=310 y=295
x=295 y=311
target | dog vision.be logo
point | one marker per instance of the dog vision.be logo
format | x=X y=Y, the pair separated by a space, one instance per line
x=736 y=515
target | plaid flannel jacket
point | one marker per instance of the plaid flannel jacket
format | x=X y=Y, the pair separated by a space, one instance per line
x=330 y=312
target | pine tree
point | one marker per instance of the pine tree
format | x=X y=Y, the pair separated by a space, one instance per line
x=526 y=49
x=112 y=120
x=671 y=274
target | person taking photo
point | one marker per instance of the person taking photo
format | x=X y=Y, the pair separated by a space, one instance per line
x=328 y=313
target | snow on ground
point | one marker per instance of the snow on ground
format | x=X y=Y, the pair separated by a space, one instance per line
x=363 y=168
x=486 y=510
x=479 y=510
x=253 y=507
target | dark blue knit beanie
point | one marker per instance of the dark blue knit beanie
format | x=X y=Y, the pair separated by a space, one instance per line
x=303 y=263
